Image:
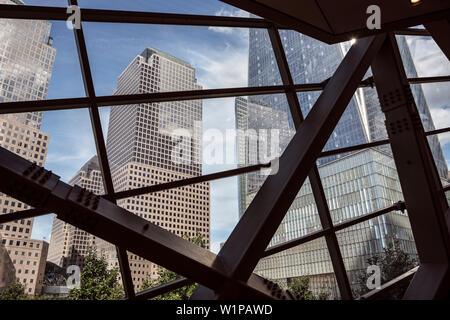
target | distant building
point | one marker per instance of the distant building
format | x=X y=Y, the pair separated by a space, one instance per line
x=351 y=189
x=354 y=185
x=69 y=245
x=142 y=152
x=26 y=63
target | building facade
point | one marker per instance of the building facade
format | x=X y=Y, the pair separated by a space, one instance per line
x=69 y=245
x=26 y=63
x=143 y=151
x=354 y=185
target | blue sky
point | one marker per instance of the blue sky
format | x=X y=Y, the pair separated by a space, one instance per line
x=219 y=56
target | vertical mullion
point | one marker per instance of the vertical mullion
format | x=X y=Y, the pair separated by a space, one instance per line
x=101 y=148
x=419 y=179
x=314 y=177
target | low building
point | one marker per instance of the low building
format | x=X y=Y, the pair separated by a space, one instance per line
x=28 y=257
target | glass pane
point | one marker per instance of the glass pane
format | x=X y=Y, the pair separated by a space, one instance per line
x=310 y=60
x=361 y=122
x=422 y=57
x=200 y=57
x=432 y=103
x=360 y=183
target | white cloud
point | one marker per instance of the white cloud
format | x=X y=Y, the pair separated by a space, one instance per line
x=430 y=61
x=215 y=247
x=229 y=12
x=221 y=67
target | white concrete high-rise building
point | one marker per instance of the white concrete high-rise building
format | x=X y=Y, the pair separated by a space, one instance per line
x=69 y=245
x=142 y=152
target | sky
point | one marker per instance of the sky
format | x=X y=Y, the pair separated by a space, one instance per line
x=220 y=58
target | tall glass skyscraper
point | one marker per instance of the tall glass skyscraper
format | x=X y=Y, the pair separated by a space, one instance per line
x=355 y=184
x=312 y=61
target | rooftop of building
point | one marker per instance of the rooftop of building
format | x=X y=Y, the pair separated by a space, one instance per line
x=149 y=51
x=91 y=164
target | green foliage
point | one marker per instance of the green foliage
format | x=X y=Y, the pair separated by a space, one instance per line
x=165 y=276
x=300 y=287
x=97 y=282
x=393 y=263
x=15 y=291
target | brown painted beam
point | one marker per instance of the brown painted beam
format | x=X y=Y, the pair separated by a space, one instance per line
x=38 y=187
x=249 y=239
x=422 y=189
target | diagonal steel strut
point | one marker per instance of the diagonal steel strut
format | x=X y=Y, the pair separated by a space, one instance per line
x=42 y=189
x=249 y=239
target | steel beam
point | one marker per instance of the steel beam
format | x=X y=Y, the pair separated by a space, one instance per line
x=422 y=189
x=412 y=32
x=117 y=100
x=285 y=20
x=38 y=187
x=25 y=214
x=249 y=239
x=141 y=17
x=188 y=181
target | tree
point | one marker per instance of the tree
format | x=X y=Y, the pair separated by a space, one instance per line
x=393 y=263
x=300 y=287
x=97 y=282
x=15 y=291
x=165 y=276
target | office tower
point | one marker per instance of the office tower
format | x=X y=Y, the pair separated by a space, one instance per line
x=69 y=245
x=26 y=62
x=263 y=133
x=142 y=151
x=354 y=185
x=310 y=61
x=351 y=189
